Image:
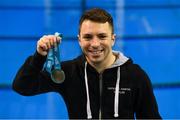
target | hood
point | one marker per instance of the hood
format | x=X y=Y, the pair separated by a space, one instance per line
x=121 y=59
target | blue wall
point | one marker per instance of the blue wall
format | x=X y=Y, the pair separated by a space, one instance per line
x=148 y=31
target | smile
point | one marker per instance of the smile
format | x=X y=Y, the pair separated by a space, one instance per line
x=96 y=52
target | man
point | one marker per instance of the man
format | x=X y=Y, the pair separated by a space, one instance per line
x=101 y=83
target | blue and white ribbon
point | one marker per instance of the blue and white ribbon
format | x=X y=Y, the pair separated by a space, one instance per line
x=52 y=64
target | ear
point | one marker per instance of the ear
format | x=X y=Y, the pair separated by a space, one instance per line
x=79 y=39
x=113 y=37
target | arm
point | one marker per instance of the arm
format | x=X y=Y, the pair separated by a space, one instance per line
x=147 y=107
x=30 y=79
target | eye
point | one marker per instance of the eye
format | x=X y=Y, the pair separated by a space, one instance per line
x=102 y=36
x=87 y=37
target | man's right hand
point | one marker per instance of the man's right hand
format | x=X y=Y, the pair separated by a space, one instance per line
x=46 y=42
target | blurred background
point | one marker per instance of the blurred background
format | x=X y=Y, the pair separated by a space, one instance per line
x=148 y=31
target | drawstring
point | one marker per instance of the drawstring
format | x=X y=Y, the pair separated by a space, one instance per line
x=116 y=99
x=89 y=116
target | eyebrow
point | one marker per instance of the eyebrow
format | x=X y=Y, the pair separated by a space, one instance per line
x=97 y=34
x=102 y=34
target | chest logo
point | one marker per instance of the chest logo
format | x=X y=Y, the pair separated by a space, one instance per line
x=121 y=90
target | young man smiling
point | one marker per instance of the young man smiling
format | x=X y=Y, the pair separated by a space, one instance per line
x=100 y=83
x=96 y=41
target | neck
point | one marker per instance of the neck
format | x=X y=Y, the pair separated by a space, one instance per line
x=100 y=67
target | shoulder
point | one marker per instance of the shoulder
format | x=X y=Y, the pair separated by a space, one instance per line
x=76 y=61
x=134 y=69
x=138 y=74
x=72 y=66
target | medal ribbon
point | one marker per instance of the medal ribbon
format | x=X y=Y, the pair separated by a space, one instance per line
x=52 y=63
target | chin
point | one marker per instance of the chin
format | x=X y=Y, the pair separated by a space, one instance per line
x=95 y=61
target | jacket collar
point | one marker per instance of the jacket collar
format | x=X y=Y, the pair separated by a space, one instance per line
x=121 y=59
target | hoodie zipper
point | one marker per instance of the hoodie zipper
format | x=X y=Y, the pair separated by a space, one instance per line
x=100 y=90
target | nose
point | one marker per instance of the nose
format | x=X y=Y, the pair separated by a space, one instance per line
x=95 y=42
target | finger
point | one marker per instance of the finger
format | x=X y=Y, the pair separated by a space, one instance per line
x=42 y=45
x=52 y=39
x=55 y=41
x=58 y=39
x=46 y=40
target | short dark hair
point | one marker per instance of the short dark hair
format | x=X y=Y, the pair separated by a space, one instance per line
x=97 y=15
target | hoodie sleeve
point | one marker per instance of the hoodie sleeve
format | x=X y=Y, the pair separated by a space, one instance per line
x=30 y=79
x=146 y=106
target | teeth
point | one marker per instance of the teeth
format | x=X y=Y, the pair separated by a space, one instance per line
x=96 y=52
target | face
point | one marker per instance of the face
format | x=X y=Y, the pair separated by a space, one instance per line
x=96 y=41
